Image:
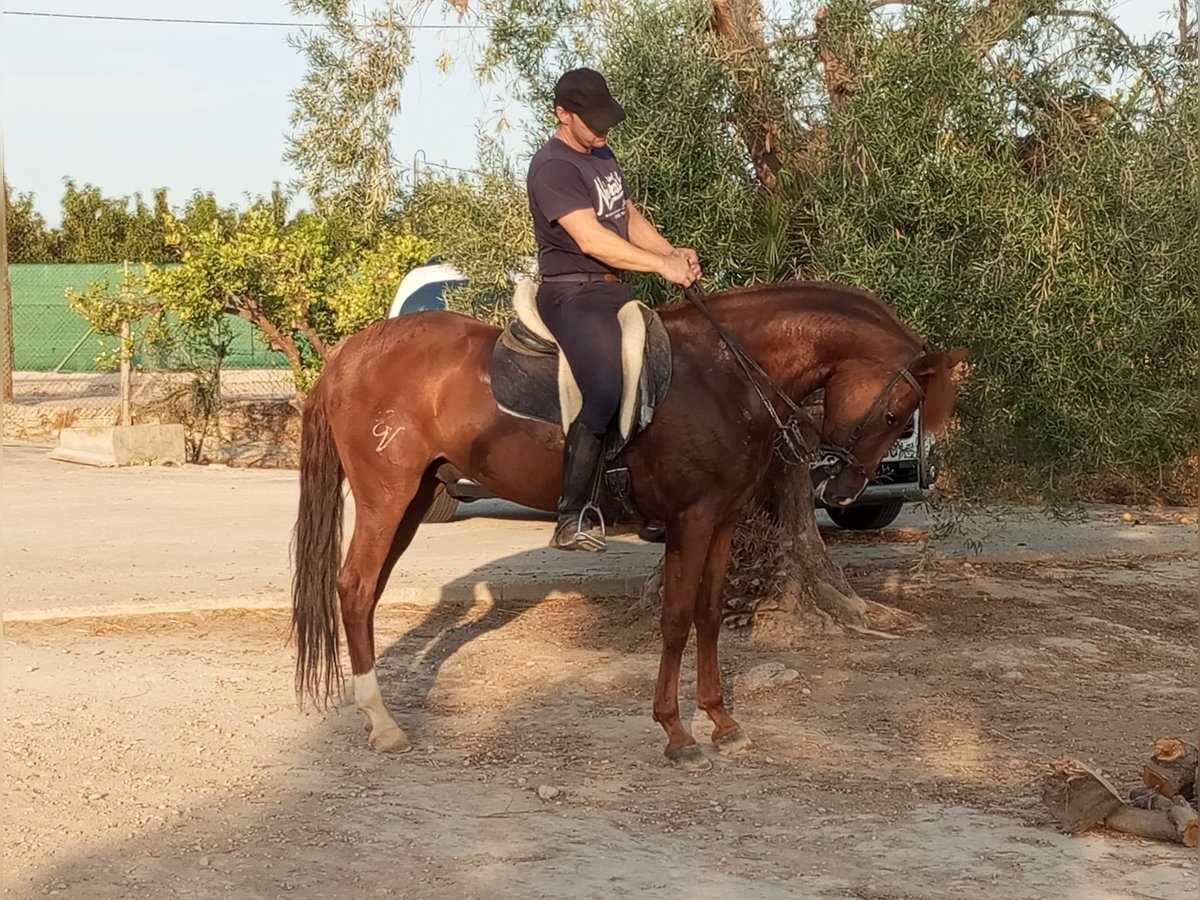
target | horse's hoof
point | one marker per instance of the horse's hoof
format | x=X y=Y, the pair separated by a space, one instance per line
x=733 y=743
x=689 y=758
x=390 y=740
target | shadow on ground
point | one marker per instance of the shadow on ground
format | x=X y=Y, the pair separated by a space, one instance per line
x=885 y=769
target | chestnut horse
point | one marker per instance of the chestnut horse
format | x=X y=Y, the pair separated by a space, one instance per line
x=407 y=395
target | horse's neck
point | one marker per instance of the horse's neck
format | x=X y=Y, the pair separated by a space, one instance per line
x=797 y=345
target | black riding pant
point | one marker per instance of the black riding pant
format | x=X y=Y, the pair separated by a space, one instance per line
x=583 y=320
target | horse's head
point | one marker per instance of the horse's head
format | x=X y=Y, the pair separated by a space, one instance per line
x=868 y=403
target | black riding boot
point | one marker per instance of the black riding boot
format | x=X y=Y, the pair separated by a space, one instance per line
x=581 y=458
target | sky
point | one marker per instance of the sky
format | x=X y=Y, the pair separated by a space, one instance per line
x=132 y=106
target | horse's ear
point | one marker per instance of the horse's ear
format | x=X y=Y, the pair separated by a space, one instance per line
x=940 y=390
x=939 y=360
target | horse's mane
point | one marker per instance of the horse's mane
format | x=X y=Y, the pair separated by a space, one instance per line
x=822 y=297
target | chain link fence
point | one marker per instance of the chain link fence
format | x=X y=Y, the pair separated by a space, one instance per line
x=67 y=375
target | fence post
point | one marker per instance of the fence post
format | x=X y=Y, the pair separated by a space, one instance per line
x=126 y=369
x=6 y=331
x=126 y=377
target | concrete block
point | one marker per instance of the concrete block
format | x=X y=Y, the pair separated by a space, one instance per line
x=122 y=445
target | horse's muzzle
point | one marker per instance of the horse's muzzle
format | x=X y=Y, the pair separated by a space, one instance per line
x=841 y=488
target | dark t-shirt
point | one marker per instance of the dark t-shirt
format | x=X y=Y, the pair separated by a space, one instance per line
x=561 y=181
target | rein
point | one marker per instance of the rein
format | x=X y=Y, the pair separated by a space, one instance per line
x=790 y=434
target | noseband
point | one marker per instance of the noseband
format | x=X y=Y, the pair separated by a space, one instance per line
x=830 y=454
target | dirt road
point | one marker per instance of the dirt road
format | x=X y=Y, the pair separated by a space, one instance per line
x=162 y=755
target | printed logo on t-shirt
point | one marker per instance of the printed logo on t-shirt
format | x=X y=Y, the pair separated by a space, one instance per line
x=611 y=194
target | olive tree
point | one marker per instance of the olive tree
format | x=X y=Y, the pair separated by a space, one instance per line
x=1014 y=176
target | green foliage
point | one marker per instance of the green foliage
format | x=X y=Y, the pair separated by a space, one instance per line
x=1046 y=225
x=301 y=280
x=107 y=308
x=100 y=229
x=276 y=274
x=96 y=228
x=304 y=281
x=482 y=226
x=160 y=340
x=1017 y=181
x=29 y=240
x=343 y=112
x=366 y=292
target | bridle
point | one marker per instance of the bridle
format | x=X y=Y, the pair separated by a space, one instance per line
x=830 y=456
x=844 y=455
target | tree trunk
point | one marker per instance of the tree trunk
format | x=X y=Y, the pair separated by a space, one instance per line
x=781 y=573
x=781 y=580
x=277 y=339
x=780 y=576
x=1187 y=42
x=759 y=115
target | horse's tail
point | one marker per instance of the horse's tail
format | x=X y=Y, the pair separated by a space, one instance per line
x=317 y=545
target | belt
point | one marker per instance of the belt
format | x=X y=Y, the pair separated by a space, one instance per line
x=584 y=277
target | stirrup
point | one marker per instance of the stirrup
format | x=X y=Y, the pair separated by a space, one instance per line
x=583 y=538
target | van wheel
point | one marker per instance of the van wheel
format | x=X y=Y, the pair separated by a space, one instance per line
x=867 y=518
x=442 y=510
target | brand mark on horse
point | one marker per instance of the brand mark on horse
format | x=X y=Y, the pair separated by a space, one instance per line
x=385 y=431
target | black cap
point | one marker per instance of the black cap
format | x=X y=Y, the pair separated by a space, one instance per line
x=585 y=92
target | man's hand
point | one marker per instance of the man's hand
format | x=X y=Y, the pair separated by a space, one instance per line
x=691 y=258
x=676 y=270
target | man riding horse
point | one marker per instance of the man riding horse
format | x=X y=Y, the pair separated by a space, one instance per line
x=588 y=233
x=696 y=470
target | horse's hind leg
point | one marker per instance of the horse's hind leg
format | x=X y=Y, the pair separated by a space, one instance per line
x=381 y=534
x=404 y=535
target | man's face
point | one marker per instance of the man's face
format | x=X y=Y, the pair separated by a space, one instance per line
x=579 y=130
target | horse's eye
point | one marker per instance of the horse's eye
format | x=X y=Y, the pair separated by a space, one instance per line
x=890 y=418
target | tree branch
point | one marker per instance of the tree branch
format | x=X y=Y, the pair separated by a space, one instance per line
x=249 y=309
x=1104 y=20
x=302 y=325
x=812 y=35
x=759 y=116
x=1187 y=44
x=997 y=19
x=318 y=343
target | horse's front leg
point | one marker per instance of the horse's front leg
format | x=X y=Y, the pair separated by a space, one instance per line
x=727 y=734
x=687 y=542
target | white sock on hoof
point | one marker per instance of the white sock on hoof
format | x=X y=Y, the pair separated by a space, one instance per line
x=368 y=699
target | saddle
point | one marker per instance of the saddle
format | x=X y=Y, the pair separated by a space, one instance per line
x=531 y=379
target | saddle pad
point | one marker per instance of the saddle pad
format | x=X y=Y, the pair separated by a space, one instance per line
x=528 y=386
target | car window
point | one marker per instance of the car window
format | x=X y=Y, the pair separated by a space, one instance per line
x=428 y=296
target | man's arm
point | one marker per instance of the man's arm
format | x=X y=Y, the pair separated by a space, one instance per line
x=597 y=241
x=643 y=234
